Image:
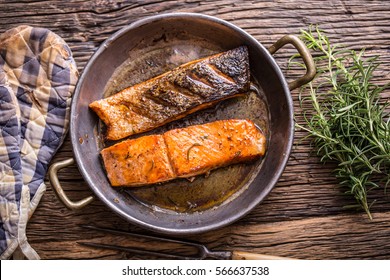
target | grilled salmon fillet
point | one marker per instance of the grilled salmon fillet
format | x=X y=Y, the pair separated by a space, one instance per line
x=186 y=89
x=182 y=153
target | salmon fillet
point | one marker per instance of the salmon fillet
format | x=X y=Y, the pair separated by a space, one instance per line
x=186 y=89
x=138 y=162
x=182 y=153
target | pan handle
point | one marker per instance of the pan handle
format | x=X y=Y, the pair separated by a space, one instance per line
x=305 y=54
x=239 y=255
x=53 y=170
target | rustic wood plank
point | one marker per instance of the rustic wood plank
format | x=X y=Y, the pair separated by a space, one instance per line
x=314 y=238
x=303 y=217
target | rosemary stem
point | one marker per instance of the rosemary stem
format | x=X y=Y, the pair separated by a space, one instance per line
x=347 y=123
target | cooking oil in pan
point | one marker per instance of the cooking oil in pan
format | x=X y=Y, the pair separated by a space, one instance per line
x=220 y=185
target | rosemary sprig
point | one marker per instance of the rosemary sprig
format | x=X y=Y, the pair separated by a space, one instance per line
x=190 y=148
x=348 y=121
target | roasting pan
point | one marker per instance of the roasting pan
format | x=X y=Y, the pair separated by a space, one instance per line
x=149 y=47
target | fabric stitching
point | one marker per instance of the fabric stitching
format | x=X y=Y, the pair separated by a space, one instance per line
x=40 y=66
x=21 y=85
x=10 y=135
x=60 y=106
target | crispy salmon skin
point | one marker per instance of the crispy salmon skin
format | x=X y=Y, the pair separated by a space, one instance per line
x=186 y=89
x=182 y=153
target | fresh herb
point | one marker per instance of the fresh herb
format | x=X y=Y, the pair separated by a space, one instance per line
x=151 y=166
x=190 y=148
x=347 y=118
x=172 y=201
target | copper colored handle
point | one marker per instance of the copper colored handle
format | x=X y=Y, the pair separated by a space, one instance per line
x=53 y=170
x=238 y=255
x=305 y=54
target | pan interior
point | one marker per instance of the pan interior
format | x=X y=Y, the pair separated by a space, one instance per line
x=171 y=49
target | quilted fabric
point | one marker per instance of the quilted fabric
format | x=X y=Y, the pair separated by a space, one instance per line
x=37 y=78
x=11 y=181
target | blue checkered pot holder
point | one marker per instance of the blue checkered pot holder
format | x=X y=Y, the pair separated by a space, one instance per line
x=37 y=79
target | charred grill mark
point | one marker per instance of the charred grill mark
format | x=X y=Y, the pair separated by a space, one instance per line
x=215 y=77
x=234 y=64
x=187 y=93
x=216 y=81
x=176 y=83
x=145 y=109
x=190 y=81
x=159 y=96
x=218 y=72
x=201 y=84
x=169 y=95
x=155 y=111
x=200 y=74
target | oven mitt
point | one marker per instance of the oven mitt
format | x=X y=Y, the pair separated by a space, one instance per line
x=37 y=79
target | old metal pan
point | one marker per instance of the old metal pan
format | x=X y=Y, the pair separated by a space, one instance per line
x=154 y=45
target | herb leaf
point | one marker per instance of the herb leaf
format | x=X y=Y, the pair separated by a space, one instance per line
x=190 y=148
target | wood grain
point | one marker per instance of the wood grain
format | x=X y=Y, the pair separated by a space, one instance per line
x=304 y=216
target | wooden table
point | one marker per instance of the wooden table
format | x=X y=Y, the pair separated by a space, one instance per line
x=304 y=216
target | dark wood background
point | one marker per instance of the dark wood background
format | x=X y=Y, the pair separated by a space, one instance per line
x=304 y=216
